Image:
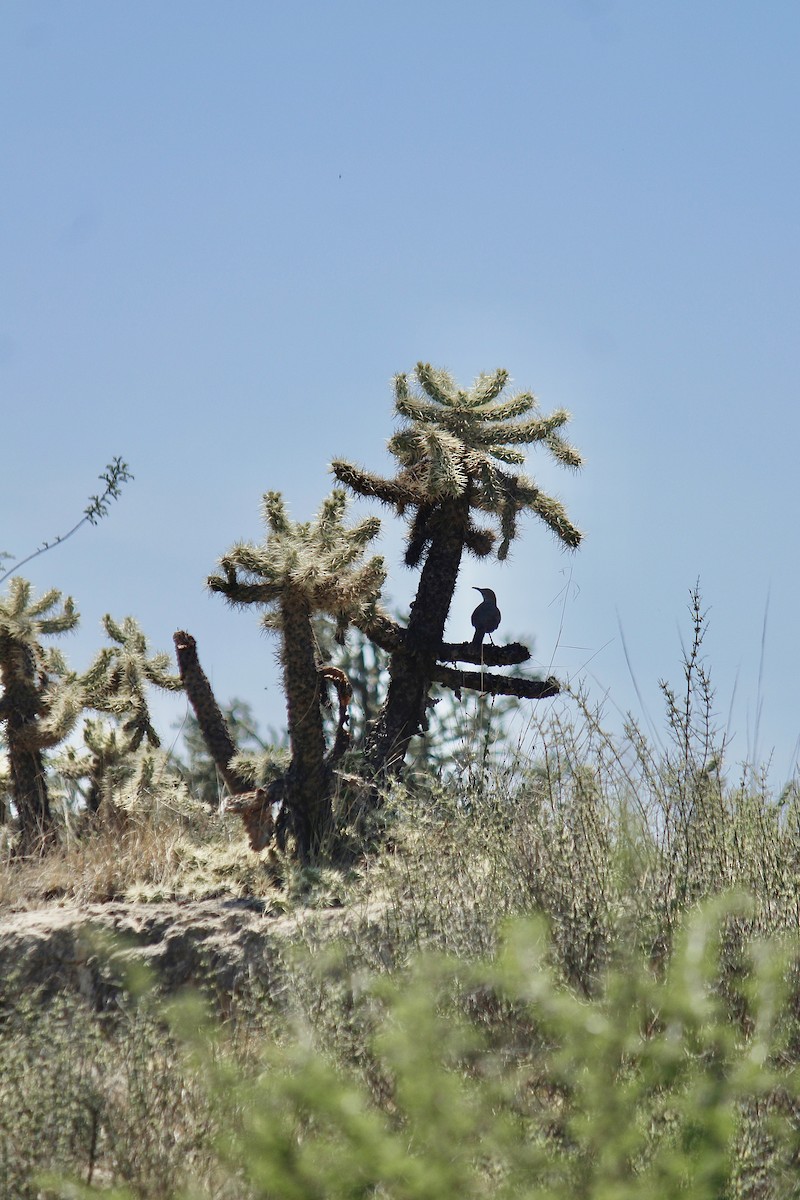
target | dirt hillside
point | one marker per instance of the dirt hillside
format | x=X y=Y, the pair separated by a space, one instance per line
x=227 y=944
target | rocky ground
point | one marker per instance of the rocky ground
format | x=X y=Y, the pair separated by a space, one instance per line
x=227 y=944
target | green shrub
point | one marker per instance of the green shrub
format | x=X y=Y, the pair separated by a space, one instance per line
x=499 y=1081
x=493 y=1079
x=93 y=1098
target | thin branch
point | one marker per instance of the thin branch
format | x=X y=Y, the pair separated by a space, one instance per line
x=115 y=474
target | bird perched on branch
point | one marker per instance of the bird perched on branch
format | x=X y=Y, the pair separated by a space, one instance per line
x=486 y=617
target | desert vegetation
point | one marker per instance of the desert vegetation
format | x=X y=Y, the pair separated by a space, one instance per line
x=571 y=973
x=521 y=955
x=458 y=453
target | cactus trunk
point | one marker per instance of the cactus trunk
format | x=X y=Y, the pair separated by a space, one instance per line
x=29 y=789
x=308 y=798
x=21 y=709
x=212 y=724
x=411 y=666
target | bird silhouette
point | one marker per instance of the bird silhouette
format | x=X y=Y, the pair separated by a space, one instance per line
x=486 y=617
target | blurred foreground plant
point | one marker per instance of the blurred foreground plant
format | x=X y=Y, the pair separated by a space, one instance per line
x=494 y=1080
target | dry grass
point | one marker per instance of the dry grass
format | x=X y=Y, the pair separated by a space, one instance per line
x=138 y=858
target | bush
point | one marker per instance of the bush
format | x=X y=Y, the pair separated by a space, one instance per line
x=493 y=1079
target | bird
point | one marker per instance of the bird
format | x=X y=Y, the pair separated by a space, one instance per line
x=486 y=617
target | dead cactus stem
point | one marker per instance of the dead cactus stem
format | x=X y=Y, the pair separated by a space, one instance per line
x=213 y=725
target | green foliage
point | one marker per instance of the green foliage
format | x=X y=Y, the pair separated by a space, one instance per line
x=84 y=1098
x=568 y=974
x=484 y=1079
x=541 y=987
x=499 y=1082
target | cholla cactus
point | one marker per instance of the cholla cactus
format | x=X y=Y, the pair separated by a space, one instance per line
x=117 y=782
x=451 y=448
x=116 y=682
x=310 y=563
x=40 y=702
x=103 y=763
x=303 y=568
x=457 y=452
x=455 y=440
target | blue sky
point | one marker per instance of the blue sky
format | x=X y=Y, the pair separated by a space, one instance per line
x=225 y=227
